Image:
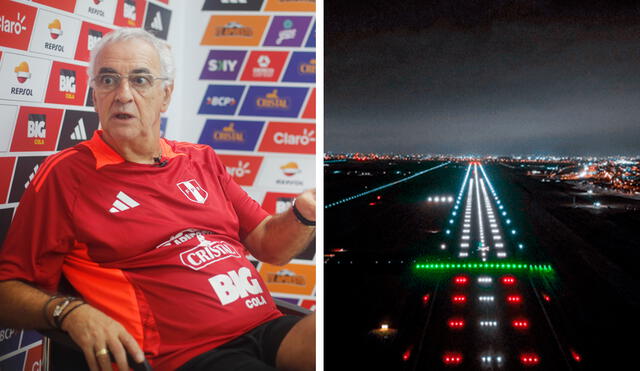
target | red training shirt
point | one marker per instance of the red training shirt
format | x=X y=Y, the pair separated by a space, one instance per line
x=157 y=248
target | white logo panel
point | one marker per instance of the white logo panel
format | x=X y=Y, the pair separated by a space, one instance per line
x=104 y=10
x=23 y=78
x=287 y=172
x=55 y=35
x=7 y=124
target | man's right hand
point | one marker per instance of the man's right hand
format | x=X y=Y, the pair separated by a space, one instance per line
x=99 y=336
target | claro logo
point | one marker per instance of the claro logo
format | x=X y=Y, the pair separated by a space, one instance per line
x=307 y=137
x=14 y=27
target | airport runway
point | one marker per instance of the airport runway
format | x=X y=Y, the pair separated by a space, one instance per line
x=445 y=271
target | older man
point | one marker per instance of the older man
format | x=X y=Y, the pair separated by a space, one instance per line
x=153 y=235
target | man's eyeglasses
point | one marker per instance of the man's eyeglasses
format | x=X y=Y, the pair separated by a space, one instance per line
x=141 y=82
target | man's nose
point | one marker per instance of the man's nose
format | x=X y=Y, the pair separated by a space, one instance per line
x=124 y=91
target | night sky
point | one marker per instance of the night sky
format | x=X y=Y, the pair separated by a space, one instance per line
x=541 y=77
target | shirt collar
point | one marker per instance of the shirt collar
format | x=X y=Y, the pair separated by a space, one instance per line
x=105 y=155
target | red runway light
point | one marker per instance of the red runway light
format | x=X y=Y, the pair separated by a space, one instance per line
x=406 y=355
x=546 y=297
x=456 y=323
x=452 y=358
x=461 y=280
x=425 y=298
x=576 y=356
x=508 y=280
x=459 y=299
x=514 y=299
x=520 y=324
x=529 y=359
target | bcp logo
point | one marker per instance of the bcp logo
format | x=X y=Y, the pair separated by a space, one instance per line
x=90 y=34
x=286 y=137
x=264 y=66
x=36 y=129
x=223 y=65
x=67 y=84
x=243 y=169
x=16 y=24
x=221 y=99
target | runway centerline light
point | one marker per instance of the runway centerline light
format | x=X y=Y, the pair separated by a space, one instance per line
x=452 y=358
x=529 y=359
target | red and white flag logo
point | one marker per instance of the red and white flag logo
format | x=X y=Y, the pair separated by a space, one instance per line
x=193 y=191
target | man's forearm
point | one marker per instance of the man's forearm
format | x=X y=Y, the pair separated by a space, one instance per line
x=22 y=306
x=281 y=237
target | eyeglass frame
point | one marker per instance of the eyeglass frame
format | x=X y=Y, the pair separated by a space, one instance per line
x=127 y=76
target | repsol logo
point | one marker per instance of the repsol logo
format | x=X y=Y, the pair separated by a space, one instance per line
x=22 y=91
x=54 y=47
x=96 y=11
x=6 y=334
x=206 y=253
x=235 y=285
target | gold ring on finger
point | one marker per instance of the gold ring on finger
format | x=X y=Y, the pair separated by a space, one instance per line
x=102 y=352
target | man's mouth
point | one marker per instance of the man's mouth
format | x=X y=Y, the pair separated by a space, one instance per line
x=123 y=116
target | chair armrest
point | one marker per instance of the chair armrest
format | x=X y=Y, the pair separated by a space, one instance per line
x=291 y=309
x=62 y=338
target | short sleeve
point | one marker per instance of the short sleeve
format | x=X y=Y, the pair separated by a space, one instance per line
x=40 y=235
x=249 y=212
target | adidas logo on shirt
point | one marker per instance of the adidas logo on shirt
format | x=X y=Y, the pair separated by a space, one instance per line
x=123 y=202
x=79 y=132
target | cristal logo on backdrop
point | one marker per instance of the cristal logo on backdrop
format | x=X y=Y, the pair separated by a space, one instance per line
x=16 y=24
x=236 y=134
x=223 y=65
x=287 y=137
x=277 y=101
x=243 y=169
x=302 y=68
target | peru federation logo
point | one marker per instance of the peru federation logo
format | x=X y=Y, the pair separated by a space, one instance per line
x=192 y=190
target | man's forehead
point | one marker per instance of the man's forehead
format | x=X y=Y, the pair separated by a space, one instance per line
x=135 y=56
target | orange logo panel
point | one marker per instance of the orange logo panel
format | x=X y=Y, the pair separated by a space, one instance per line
x=235 y=30
x=297 y=279
x=291 y=5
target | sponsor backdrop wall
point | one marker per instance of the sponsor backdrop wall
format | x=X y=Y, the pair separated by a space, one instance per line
x=245 y=86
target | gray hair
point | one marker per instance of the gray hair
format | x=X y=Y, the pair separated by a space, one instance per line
x=163 y=49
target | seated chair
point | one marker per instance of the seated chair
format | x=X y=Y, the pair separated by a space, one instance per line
x=61 y=353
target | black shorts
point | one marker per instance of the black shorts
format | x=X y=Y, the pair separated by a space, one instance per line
x=255 y=350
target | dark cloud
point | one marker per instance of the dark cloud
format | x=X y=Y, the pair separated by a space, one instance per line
x=550 y=81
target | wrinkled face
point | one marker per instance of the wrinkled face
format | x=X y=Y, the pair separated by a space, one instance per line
x=127 y=112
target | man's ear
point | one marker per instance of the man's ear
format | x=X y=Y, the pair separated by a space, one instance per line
x=168 y=91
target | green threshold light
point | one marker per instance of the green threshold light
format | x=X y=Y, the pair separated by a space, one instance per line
x=486 y=266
